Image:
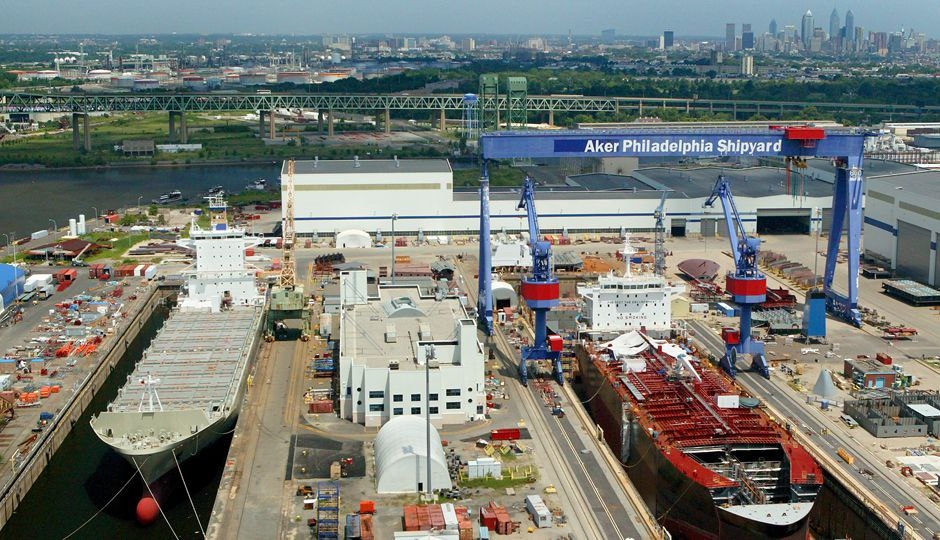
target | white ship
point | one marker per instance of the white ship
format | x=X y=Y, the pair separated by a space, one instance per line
x=187 y=389
x=628 y=302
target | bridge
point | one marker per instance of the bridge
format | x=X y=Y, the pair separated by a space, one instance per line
x=545 y=107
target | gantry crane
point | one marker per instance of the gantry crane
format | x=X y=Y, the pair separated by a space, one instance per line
x=540 y=291
x=287 y=296
x=746 y=284
x=659 y=248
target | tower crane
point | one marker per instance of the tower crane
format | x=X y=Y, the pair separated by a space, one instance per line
x=746 y=284
x=659 y=248
x=540 y=291
x=287 y=296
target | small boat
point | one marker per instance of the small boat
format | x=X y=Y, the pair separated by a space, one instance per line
x=258 y=185
x=169 y=198
x=216 y=190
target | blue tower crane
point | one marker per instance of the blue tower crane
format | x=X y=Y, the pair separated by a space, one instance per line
x=540 y=291
x=746 y=284
x=484 y=275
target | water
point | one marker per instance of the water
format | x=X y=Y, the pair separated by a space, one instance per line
x=32 y=198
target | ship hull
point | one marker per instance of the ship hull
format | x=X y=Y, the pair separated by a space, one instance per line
x=686 y=508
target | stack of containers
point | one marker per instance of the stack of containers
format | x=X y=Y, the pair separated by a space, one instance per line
x=365 y=527
x=323 y=367
x=353 y=527
x=464 y=523
x=411 y=518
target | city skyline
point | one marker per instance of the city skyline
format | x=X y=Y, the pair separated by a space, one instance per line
x=428 y=16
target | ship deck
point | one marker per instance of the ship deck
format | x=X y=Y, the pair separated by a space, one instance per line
x=196 y=357
x=685 y=413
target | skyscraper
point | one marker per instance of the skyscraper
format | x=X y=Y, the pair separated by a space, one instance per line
x=848 y=41
x=806 y=31
x=729 y=36
x=747 y=37
x=835 y=26
x=773 y=26
x=668 y=39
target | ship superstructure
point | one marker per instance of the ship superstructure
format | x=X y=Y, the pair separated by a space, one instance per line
x=618 y=303
x=187 y=388
x=708 y=463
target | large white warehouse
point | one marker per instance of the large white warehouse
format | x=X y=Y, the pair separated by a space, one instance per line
x=401 y=457
x=336 y=196
x=902 y=220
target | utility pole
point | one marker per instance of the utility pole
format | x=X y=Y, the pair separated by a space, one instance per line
x=428 y=356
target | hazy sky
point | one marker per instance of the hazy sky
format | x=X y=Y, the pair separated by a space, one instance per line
x=649 y=17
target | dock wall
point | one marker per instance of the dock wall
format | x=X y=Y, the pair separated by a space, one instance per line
x=50 y=441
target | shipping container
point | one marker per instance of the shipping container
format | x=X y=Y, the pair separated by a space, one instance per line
x=505 y=434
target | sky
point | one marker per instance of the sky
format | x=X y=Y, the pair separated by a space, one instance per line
x=627 y=17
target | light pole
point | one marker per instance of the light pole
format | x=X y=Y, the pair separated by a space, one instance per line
x=11 y=242
x=55 y=228
x=394 y=217
x=139 y=198
x=429 y=354
x=96 y=212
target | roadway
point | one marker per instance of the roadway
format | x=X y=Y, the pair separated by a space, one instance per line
x=597 y=503
x=882 y=483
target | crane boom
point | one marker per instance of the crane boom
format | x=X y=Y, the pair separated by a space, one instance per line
x=659 y=251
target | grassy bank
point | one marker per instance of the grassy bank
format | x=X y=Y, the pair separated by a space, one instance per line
x=223 y=137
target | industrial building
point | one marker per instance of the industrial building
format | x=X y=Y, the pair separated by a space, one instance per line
x=12 y=280
x=401 y=457
x=405 y=350
x=901 y=414
x=418 y=197
x=867 y=373
x=901 y=219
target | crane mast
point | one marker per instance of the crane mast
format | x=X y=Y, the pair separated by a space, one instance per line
x=659 y=250
x=540 y=291
x=746 y=284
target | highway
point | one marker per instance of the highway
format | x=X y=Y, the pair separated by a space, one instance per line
x=886 y=485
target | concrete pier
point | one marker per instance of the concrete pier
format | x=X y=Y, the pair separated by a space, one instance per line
x=81 y=136
x=183 y=134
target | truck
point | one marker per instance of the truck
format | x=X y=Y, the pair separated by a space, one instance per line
x=45 y=291
x=37 y=281
x=848 y=458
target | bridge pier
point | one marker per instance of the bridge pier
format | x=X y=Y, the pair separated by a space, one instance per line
x=83 y=140
x=443 y=121
x=320 y=114
x=388 y=121
x=261 y=115
x=641 y=108
x=329 y=123
x=551 y=117
x=272 y=129
x=183 y=134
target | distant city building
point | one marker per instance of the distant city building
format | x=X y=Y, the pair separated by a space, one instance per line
x=849 y=41
x=468 y=44
x=773 y=27
x=730 y=36
x=716 y=58
x=835 y=25
x=806 y=29
x=608 y=34
x=747 y=65
x=668 y=39
x=747 y=40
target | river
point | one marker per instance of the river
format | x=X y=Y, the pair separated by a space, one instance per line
x=32 y=198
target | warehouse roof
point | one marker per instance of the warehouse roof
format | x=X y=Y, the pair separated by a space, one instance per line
x=369 y=166
x=401 y=456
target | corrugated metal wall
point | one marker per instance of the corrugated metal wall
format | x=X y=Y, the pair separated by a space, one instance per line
x=913 y=254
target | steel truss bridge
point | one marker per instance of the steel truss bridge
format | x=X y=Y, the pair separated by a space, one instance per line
x=214 y=102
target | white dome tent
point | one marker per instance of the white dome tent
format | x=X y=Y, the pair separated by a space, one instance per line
x=353 y=238
x=401 y=457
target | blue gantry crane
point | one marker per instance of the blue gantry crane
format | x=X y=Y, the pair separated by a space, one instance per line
x=746 y=284
x=540 y=291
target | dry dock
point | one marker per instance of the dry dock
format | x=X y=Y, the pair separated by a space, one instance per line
x=78 y=388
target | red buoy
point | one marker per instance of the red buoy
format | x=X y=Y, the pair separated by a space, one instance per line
x=147 y=510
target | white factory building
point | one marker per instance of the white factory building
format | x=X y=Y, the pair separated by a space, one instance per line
x=902 y=219
x=392 y=341
x=365 y=195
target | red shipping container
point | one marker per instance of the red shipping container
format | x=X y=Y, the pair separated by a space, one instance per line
x=505 y=434
x=488 y=518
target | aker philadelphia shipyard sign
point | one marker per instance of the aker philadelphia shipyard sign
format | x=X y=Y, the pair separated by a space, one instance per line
x=677 y=146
